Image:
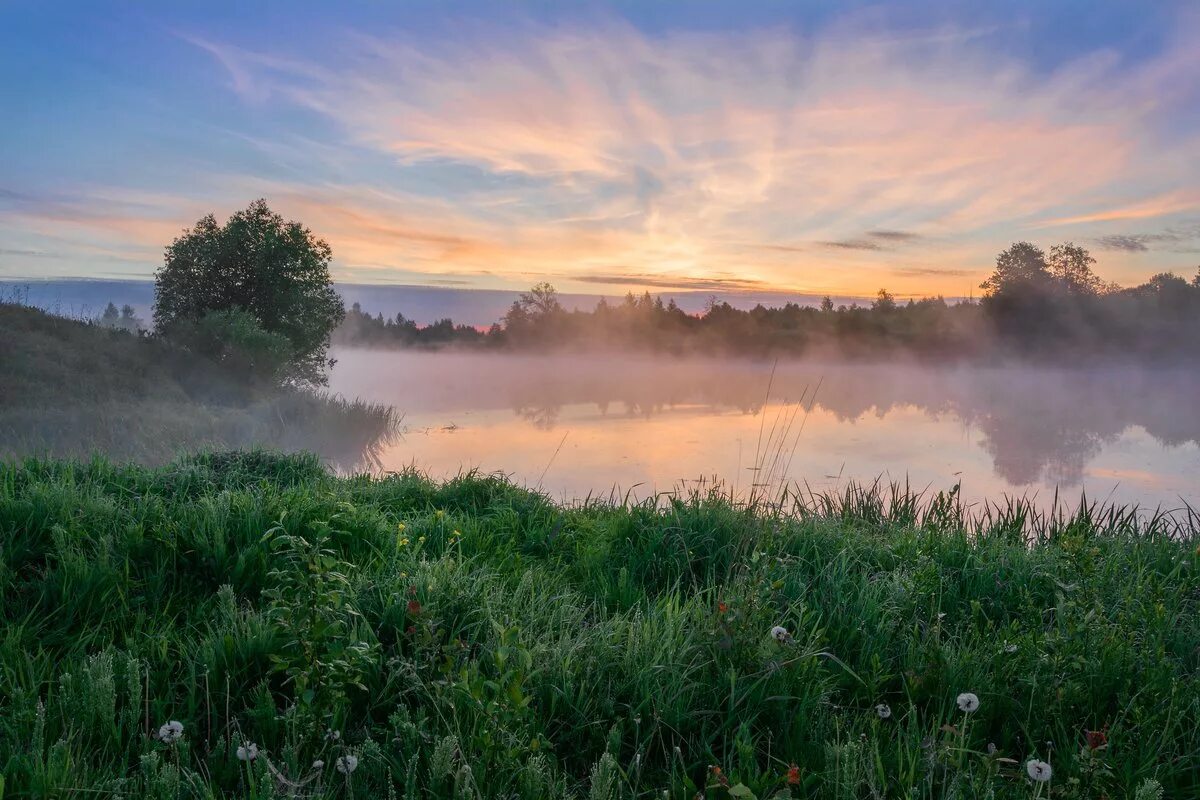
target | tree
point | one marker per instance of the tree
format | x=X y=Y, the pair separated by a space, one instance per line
x=277 y=271
x=827 y=304
x=884 y=301
x=1021 y=266
x=1071 y=265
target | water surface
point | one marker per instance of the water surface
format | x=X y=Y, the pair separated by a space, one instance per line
x=579 y=425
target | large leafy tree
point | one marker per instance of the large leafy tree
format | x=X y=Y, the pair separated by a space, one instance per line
x=275 y=271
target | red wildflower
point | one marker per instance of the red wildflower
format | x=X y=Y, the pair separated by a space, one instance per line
x=722 y=607
x=411 y=630
x=1095 y=739
x=793 y=775
x=414 y=607
x=719 y=775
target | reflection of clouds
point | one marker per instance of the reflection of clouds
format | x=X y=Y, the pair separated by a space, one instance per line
x=1033 y=424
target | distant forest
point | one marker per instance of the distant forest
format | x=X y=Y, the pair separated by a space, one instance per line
x=1034 y=304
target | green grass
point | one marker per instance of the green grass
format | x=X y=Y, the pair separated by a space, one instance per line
x=474 y=639
x=71 y=388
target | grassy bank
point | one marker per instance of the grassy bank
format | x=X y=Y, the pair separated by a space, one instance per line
x=473 y=639
x=73 y=388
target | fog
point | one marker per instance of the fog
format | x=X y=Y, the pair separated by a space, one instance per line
x=576 y=425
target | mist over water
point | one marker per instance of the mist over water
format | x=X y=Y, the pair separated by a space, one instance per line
x=579 y=425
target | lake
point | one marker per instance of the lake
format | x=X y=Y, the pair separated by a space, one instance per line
x=579 y=425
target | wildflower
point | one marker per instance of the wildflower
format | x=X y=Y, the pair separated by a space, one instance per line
x=718 y=775
x=793 y=775
x=1039 y=770
x=400 y=528
x=346 y=764
x=968 y=702
x=1010 y=648
x=722 y=607
x=991 y=748
x=318 y=764
x=883 y=710
x=333 y=735
x=439 y=514
x=247 y=751
x=170 y=732
x=414 y=607
x=420 y=540
x=1095 y=739
x=780 y=634
x=403 y=542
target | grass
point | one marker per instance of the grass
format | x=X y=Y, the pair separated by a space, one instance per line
x=72 y=388
x=473 y=639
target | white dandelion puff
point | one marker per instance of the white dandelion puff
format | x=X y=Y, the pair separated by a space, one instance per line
x=346 y=764
x=968 y=702
x=883 y=710
x=780 y=634
x=170 y=732
x=318 y=764
x=333 y=735
x=1040 y=771
x=247 y=751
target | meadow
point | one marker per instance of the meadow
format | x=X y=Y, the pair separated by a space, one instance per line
x=243 y=624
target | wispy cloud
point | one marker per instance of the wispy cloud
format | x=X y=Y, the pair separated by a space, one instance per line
x=833 y=160
x=682 y=282
x=1183 y=239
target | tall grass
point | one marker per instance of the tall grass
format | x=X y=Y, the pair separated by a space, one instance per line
x=473 y=639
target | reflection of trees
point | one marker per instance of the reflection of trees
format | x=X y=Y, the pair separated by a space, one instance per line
x=1036 y=424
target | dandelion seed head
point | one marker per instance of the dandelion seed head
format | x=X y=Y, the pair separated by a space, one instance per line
x=171 y=731
x=346 y=764
x=967 y=702
x=1039 y=770
x=318 y=764
x=780 y=634
x=247 y=751
x=883 y=710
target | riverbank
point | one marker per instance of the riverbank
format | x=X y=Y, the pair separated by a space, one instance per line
x=472 y=638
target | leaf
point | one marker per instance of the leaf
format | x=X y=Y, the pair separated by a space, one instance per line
x=741 y=790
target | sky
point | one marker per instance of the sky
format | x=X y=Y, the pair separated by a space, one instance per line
x=817 y=147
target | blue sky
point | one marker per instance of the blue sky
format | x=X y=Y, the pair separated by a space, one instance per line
x=819 y=147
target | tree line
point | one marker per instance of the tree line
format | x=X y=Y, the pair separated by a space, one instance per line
x=1034 y=304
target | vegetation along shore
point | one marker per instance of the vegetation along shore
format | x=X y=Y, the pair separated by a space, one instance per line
x=250 y=625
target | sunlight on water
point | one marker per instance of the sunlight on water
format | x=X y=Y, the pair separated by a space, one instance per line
x=578 y=425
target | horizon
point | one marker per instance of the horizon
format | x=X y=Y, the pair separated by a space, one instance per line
x=610 y=147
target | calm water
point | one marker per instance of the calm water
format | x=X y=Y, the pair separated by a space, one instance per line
x=577 y=425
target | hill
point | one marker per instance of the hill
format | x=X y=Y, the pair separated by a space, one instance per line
x=74 y=388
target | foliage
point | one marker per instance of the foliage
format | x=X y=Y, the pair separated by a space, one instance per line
x=1035 y=307
x=274 y=270
x=74 y=388
x=237 y=341
x=511 y=647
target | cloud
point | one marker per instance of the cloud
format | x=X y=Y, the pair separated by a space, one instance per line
x=853 y=244
x=933 y=271
x=1174 y=239
x=559 y=151
x=1160 y=206
x=681 y=282
x=894 y=236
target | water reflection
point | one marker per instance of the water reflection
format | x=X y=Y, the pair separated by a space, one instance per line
x=1036 y=426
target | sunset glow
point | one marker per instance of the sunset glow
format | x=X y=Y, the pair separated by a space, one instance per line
x=610 y=150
